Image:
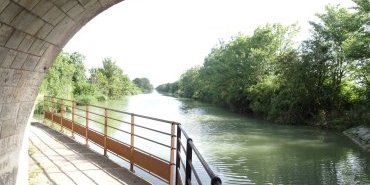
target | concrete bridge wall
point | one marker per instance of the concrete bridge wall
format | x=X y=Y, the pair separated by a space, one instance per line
x=32 y=33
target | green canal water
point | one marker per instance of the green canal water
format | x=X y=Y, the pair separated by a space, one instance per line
x=243 y=150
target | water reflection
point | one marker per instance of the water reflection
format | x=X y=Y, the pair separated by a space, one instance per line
x=250 y=151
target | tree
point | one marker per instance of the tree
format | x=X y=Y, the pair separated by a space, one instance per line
x=189 y=84
x=169 y=88
x=111 y=80
x=58 y=80
x=324 y=82
x=232 y=69
x=143 y=84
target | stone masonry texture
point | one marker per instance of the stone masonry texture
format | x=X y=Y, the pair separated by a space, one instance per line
x=32 y=33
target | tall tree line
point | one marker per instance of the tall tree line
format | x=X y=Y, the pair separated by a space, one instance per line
x=322 y=81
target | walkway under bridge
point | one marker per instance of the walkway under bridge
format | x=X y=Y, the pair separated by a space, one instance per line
x=159 y=148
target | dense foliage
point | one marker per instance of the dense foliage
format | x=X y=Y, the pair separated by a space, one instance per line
x=143 y=84
x=111 y=81
x=169 y=88
x=67 y=79
x=324 y=81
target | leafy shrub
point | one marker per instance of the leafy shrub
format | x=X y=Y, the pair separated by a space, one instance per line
x=39 y=108
x=85 y=99
x=101 y=98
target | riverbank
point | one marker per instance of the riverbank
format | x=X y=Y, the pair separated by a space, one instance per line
x=359 y=135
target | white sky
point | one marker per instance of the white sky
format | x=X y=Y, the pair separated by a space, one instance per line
x=160 y=39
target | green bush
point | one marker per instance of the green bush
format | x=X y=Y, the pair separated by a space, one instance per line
x=101 y=98
x=39 y=108
x=85 y=99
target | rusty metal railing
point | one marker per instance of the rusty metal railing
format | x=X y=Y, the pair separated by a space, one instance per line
x=188 y=166
x=95 y=123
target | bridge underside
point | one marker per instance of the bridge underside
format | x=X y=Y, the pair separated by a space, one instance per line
x=32 y=33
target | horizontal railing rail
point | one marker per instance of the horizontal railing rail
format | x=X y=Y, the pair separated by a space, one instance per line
x=94 y=123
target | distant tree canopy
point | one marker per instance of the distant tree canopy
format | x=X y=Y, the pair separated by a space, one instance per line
x=324 y=82
x=111 y=81
x=144 y=84
x=170 y=88
x=67 y=79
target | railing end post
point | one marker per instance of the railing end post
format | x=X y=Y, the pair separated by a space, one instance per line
x=43 y=109
x=216 y=181
x=73 y=118
x=105 y=130
x=172 y=154
x=178 y=153
x=61 y=115
x=188 y=169
x=189 y=140
x=87 y=125
x=132 y=142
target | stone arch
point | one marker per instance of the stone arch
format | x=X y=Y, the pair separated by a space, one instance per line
x=32 y=33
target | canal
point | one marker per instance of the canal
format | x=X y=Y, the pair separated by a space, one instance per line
x=244 y=150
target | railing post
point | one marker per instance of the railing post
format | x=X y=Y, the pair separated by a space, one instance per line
x=189 y=157
x=52 y=111
x=43 y=110
x=172 y=154
x=61 y=115
x=105 y=130
x=73 y=118
x=216 y=181
x=87 y=125
x=178 y=154
x=132 y=142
